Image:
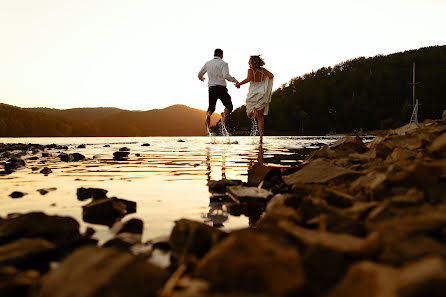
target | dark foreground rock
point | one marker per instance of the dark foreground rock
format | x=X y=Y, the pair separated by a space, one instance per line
x=16 y=194
x=107 y=211
x=103 y=272
x=120 y=156
x=95 y=193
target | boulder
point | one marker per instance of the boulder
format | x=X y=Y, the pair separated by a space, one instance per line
x=120 y=156
x=107 y=211
x=103 y=272
x=77 y=157
x=135 y=226
x=257 y=173
x=316 y=172
x=243 y=193
x=58 y=230
x=16 y=194
x=252 y=261
x=65 y=157
x=27 y=252
x=46 y=171
x=191 y=240
x=219 y=186
x=95 y=193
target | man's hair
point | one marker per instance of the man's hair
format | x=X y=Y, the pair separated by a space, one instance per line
x=218 y=52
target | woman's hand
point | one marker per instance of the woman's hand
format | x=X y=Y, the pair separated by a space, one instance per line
x=237 y=85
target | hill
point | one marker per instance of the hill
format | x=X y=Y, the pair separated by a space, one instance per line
x=176 y=120
x=368 y=93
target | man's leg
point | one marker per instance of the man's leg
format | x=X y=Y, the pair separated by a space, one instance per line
x=226 y=100
x=213 y=96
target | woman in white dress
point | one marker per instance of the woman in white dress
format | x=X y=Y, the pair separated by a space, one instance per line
x=259 y=94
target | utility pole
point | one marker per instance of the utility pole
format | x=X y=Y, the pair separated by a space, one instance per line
x=414 y=117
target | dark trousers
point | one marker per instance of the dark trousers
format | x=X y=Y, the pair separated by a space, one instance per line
x=219 y=92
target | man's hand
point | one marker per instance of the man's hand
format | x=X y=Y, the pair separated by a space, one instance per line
x=202 y=78
x=237 y=85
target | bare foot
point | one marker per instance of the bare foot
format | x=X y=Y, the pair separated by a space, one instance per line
x=208 y=120
x=223 y=119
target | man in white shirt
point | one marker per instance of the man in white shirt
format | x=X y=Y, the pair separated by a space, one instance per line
x=218 y=73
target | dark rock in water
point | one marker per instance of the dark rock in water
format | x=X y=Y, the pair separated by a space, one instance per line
x=81 y=146
x=46 y=191
x=107 y=211
x=27 y=252
x=191 y=240
x=242 y=193
x=253 y=261
x=135 y=226
x=95 y=193
x=257 y=173
x=137 y=154
x=145 y=144
x=120 y=156
x=181 y=140
x=124 y=149
x=35 y=168
x=16 y=194
x=65 y=157
x=219 y=186
x=32 y=158
x=103 y=272
x=348 y=145
x=77 y=157
x=45 y=155
x=13 y=164
x=58 y=230
x=46 y=171
x=107 y=145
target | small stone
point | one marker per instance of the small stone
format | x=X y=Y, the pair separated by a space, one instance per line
x=46 y=191
x=242 y=193
x=77 y=157
x=46 y=171
x=124 y=149
x=145 y=144
x=219 y=186
x=35 y=168
x=134 y=226
x=120 y=156
x=32 y=158
x=65 y=157
x=95 y=193
x=107 y=211
x=82 y=146
x=45 y=155
x=107 y=145
x=137 y=154
x=180 y=140
x=16 y=195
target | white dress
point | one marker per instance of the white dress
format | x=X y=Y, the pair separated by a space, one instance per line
x=259 y=94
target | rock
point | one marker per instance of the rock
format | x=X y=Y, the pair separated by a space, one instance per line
x=16 y=194
x=135 y=226
x=35 y=168
x=120 y=156
x=46 y=191
x=348 y=145
x=367 y=279
x=138 y=154
x=14 y=282
x=95 y=193
x=257 y=173
x=32 y=158
x=61 y=231
x=124 y=149
x=103 y=272
x=317 y=171
x=27 y=252
x=13 y=164
x=107 y=145
x=46 y=171
x=65 y=157
x=107 y=211
x=252 y=261
x=145 y=144
x=242 y=193
x=180 y=140
x=81 y=146
x=77 y=157
x=278 y=200
x=400 y=154
x=45 y=155
x=191 y=240
x=338 y=198
x=409 y=128
x=438 y=147
x=219 y=186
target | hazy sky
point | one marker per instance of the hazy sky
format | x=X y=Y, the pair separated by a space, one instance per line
x=144 y=54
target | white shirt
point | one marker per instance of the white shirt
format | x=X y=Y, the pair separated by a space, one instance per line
x=218 y=71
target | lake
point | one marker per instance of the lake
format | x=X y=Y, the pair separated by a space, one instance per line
x=167 y=179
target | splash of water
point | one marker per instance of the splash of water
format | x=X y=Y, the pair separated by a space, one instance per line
x=213 y=140
x=224 y=132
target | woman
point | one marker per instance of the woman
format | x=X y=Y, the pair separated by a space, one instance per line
x=259 y=94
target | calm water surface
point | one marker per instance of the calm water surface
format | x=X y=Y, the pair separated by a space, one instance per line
x=168 y=179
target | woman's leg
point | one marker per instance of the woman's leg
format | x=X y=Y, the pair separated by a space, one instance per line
x=261 y=120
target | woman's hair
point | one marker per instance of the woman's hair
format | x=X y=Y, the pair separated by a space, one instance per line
x=256 y=61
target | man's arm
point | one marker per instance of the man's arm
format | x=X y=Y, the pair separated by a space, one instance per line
x=226 y=74
x=202 y=72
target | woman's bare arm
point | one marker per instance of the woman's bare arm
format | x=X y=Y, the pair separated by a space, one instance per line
x=247 y=79
x=269 y=74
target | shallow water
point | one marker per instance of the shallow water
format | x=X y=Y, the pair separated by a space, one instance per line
x=168 y=180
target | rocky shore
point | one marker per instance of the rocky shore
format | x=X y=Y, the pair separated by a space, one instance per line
x=353 y=219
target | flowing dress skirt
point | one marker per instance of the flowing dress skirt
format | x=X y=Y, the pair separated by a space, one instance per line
x=259 y=95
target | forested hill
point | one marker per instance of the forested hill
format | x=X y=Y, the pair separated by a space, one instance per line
x=369 y=93
x=176 y=120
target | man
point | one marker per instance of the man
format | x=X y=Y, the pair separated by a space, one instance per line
x=218 y=73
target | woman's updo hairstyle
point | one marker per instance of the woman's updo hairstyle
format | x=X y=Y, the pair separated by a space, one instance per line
x=256 y=61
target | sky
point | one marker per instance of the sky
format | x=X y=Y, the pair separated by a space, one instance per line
x=144 y=54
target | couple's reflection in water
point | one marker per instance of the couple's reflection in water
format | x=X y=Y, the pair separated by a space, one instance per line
x=221 y=206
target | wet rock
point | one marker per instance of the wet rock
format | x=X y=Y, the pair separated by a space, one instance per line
x=46 y=190
x=348 y=145
x=438 y=147
x=32 y=158
x=46 y=171
x=145 y=144
x=14 y=282
x=134 y=226
x=409 y=128
x=191 y=240
x=124 y=149
x=367 y=279
x=35 y=168
x=242 y=193
x=95 y=193
x=219 y=186
x=45 y=155
x=77 y=157
x=338 y=198
x=65 y=157
x=81 y=146
x=61 y=231
x=278 y=200
x=27 y=252
x=107 y=211
x=103 y=272
x=138 y=154
x=16 y=194
x=317 y=171
x=180 y=140
x=252 y=261
x=400 y=154
x=107 y=145
x=257 y=173
x=13 y=164
x=120 y=156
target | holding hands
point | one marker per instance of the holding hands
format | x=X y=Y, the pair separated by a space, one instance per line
x=237 y=85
